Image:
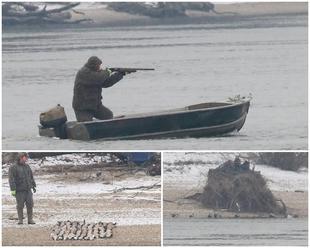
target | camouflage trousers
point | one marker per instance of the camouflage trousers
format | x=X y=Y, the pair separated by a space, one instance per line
x=23 y=197
x=102 y=113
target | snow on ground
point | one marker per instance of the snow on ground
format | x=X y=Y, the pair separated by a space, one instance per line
x=47 y=188
x=133 y=216
x=88 y=191
x=212 y=158
x=190 y=170
x=282 y=180
x=51 y=190
x=75 y=159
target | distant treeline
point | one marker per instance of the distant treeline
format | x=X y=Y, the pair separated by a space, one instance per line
x=292 y=161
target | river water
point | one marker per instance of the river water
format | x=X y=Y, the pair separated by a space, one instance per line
x=250 y=232
x=194 y=63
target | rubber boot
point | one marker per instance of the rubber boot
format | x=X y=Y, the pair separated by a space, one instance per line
x=20 y=216
x=30 y=213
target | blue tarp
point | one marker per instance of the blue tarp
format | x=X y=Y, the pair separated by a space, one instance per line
x=139 y=157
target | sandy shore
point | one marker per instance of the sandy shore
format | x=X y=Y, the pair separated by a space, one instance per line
x=142 y=235
x=296 y=202
x=176 y=206
x=271 y=8
x=102 y=15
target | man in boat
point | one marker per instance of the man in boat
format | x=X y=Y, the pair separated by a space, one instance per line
x=88 y=85
x=21 y=183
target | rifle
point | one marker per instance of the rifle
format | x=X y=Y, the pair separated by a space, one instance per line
x=129 y=70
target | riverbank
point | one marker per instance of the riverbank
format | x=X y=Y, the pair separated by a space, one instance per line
x=101 y=15
x=176 y=206
x=75 y=190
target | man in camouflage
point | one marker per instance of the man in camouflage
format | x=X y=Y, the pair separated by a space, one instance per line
x=88 y=85
x=21 y=182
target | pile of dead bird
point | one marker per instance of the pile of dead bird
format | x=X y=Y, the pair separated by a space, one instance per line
x=14 y=13
x=76 y=230
x=237 y=187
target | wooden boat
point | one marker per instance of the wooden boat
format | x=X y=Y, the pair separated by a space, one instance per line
x=200 y=120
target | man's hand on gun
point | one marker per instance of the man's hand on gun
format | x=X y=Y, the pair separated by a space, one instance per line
x=125 y=72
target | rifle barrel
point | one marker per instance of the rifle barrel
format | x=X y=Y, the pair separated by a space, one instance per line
x=136 y=69
x=144 y=69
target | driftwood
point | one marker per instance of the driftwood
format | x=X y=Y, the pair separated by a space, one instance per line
x=155 y=185
x=155 y=10
x=163 y=9
x=236 y=187
x=76 y=230
x=30 y=13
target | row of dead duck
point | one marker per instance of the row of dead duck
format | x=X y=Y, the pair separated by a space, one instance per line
x=210 y=215
x=77 y=230
x=219 y=216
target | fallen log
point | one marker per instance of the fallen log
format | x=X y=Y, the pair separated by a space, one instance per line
x=164 y=9
x=66 y=7
x=155 y=185
x=22 y=13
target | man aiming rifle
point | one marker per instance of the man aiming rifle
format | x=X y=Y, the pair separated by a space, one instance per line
x=88 y=85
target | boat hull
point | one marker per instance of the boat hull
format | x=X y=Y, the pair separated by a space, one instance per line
x=196 y=121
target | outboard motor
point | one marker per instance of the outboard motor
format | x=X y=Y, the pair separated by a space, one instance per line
x=53 y=122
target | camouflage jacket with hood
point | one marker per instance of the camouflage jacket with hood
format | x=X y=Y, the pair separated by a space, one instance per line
x=88 y=87
x=21 y=177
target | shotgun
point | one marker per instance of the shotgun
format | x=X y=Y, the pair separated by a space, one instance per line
x=125 y=70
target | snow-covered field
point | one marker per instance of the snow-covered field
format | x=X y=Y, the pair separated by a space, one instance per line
x=47 y=188
x=189 y=170
x=86 y=196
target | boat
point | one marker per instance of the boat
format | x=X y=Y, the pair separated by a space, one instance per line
x=199 y=120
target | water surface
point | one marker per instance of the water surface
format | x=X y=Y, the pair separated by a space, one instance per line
x=250 y=232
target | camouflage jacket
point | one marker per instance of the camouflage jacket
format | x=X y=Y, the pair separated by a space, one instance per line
x=21 y=177
x=88 y=87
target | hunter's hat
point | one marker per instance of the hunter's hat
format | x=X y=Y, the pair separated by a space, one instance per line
x=20 y=155
x=93 y=62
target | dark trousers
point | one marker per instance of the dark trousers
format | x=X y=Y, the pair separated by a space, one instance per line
x=23 y=197
x=102 y=113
